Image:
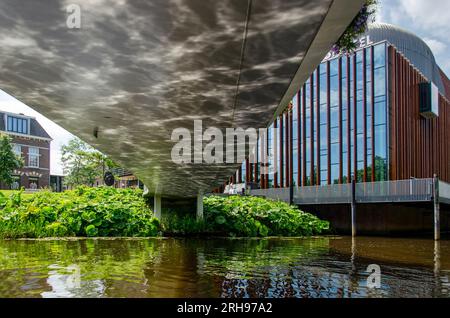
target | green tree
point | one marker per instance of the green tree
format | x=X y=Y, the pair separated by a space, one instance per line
x=9 y=161
x=83 y=164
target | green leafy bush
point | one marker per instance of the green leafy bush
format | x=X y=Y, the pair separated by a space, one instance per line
x=109 y=212
x=105 y=212
x=255 y=216
x=246 y=217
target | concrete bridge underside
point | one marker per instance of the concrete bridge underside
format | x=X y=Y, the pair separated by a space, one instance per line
x=136 y=70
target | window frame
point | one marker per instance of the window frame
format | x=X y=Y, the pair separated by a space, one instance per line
x=18 y=125
x=32 y=156
x=17 y=149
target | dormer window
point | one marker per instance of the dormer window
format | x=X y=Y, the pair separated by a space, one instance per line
x=17 y=125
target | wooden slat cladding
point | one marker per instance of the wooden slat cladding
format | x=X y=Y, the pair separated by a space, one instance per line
x=419 y=147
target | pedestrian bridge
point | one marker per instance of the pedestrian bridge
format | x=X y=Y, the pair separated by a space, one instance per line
x=132 y=71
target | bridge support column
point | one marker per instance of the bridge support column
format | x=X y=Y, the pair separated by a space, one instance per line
x=437 y=214
x=353 y=207
x=157 y=206
x=200 y=206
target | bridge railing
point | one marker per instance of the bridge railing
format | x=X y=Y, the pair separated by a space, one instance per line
x=327 y=194
x=278 y=194
x=412 y=190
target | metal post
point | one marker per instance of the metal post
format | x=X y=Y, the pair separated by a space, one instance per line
x=157 y=206
x=437 y=221
x=291 y=194
x=200 y=206
x=353 y=207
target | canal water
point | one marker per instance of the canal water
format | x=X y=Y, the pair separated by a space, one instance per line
x=275 y=267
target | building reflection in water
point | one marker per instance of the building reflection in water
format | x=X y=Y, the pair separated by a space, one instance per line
x=319 y=267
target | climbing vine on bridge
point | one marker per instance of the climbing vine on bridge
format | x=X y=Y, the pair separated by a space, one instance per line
x=346 y=43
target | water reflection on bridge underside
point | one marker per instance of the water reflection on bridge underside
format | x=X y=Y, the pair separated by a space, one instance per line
x=276 y=267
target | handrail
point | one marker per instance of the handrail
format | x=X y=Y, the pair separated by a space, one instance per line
x=412 y=190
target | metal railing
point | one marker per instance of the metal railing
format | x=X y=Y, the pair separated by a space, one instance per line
x=278 y=194
x=327 y=194
x=444 y=192
x=413 y=190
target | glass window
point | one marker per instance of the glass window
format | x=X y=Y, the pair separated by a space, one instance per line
x=380 y=153
x=270 y=148
x=33 y=157
x=258 y=154
x=294 y=164
x=369 y=112
x=308 y=131
x=380 y=55
x=350 y=115
x=323 y=84
x=280 y=165
x=380 y=82
x=295 y=136
x=359 y=71
x=359 y=125
x=17 y=150
x=300 y=124
x=285 y=149
x=17 y=125
x=334 y=134
x=314 y=116
x=360 y=117
x=334 y=67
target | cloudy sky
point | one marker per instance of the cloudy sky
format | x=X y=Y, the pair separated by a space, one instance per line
x=429 y=19
x=426 y=18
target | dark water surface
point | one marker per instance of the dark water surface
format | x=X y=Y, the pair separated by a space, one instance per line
x=276 y=267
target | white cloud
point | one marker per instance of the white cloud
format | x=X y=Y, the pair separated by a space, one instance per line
x=436 y=46
x=428 y=19
x=430 y=14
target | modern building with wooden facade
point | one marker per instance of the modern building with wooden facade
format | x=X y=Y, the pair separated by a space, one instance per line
x=363 y=115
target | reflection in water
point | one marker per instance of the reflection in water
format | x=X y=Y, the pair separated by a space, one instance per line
x=278 y=267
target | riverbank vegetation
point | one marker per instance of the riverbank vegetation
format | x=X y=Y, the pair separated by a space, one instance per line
x=105 y=212
x=247 y=216
x=109 y=212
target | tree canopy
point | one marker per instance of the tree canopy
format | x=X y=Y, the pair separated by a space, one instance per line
x=9 y=161
x=82 y=164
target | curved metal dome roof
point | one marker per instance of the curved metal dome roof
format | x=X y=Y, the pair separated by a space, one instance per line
x=413 y=47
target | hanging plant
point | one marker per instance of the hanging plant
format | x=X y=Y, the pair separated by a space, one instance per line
x=346 y=44
x=290 y=107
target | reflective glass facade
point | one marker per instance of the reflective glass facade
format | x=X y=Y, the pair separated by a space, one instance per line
x=359 y=116
x=335 y=127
